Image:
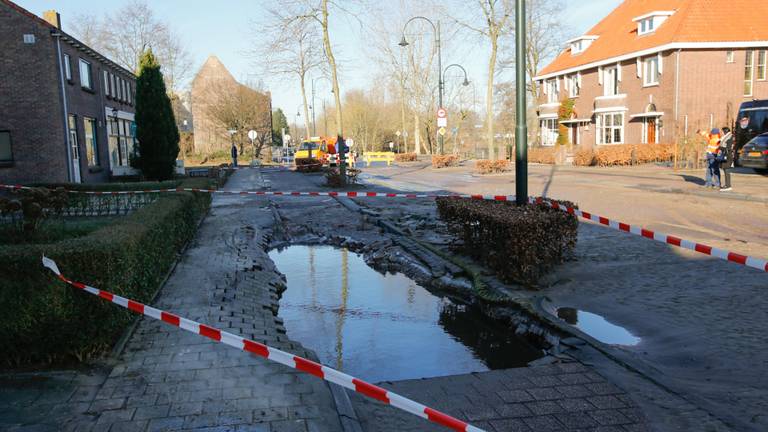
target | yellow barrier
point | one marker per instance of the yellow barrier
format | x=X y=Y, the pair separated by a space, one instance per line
x=387 y=157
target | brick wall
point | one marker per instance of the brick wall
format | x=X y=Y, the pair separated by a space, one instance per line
x=30 y=106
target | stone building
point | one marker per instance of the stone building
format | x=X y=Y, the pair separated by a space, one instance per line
x=653 y=71
x=220 y=103
x=66 y=111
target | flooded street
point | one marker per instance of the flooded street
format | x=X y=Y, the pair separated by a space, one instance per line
x=385 y=327
x=597 y=327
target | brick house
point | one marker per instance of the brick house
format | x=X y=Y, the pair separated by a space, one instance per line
x=66 y=111
x=653 y=71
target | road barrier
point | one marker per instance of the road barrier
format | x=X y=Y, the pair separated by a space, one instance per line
x=756 y=263
x=387 y=157
x=273 y=354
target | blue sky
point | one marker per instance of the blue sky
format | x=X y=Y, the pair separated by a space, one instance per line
x=225 y=31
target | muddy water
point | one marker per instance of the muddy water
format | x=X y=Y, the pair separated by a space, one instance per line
x=385 y=327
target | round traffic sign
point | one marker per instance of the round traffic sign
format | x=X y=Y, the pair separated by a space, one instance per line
x=252 y=135
x=441 y=113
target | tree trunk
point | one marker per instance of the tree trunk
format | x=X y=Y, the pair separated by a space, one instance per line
x=416 y=135
x=332 y=64
x=489 y=94
x=306 y=106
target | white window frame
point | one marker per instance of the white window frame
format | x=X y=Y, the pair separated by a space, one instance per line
x=646 y=26
x=644 y=136
x=67 y=67
x=749 y=73
x=651 y=72
x=112 y=85
x=91 y=142
x=610 y=81
x=730 y=56
x=762 y=65
x=574 y=88
x=550 y=129
x=600 y=128
x=129 y=95
x=87 y=82
x=551 y=90
x=106 y=83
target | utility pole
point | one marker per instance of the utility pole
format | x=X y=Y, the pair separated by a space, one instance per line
x=521 y=129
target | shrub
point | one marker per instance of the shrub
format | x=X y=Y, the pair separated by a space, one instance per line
x=308 y=165
x=584 y=158
x=334 y=179
x=406 y=157
x=542 y=155
x=519 y=243
x=444 y=161
x=491 y=166
x=631 y=154
x=46 y=321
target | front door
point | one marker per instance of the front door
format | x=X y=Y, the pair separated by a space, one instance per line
x=75 y=149
x=575 y=135
x=651 y=130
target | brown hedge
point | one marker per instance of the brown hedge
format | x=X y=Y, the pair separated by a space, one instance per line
x=486 y=166
x=542 y=155
x=632 y=154
x=405 y=157
x=444 y=161
x=520 y=244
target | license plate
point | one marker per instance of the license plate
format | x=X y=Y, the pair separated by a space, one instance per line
x=754 y=154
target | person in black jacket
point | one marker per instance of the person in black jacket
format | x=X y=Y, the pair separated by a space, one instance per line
x=726 y=152
x=234 y=155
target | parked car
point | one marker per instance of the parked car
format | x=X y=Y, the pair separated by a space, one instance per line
x=755 y=153
x=751 y=122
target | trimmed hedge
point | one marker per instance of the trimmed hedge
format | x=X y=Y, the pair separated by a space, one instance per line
x=485 y=166
x=444 y=161
x=542 y=155
x=520 y=244
x=624 y=154
x=46 y=321
x=406 y=157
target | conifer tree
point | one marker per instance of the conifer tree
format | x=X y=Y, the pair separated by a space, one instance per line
x=156 y=132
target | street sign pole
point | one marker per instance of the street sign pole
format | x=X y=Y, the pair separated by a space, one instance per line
x=521 y=135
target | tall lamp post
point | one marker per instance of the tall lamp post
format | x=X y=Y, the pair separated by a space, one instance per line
x=521 y=127
x=404 y=43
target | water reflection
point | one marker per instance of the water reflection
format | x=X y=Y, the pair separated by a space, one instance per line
x=597 y=327
x=385 y=327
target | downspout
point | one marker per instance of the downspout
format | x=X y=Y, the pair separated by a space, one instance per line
x=70 y=175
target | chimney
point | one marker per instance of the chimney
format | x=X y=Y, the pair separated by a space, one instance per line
x=53 y=18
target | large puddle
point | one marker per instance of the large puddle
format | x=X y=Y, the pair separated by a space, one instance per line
x=385 y=327
x=597 y=327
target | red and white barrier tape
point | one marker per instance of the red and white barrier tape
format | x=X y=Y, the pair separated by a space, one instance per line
x=723 y=254
x=276 y=355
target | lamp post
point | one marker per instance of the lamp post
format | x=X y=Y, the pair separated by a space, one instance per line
x=521 y=127
x=404 y=43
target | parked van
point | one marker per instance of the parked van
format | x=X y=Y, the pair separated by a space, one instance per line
x=751 y=122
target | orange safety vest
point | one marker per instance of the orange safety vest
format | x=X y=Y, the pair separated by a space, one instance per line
x=714 y=144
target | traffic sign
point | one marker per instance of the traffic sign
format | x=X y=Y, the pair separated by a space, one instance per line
x=441 y=131
x=441 y=113
x=442 y=122
x=397 y=133
x=252 y=134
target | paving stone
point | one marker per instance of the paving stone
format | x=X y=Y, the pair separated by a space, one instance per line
x=199 y=421
x=572 y=379
x=510 y=425
x=544 y=407
x=479 y=412
x=609 y=417
x=129 y=426
x=258 y=427
x=106 y=404
x=114 y=416
x=289 y=426
x=576 y=420
x=513 y=396
x=543 y=423
x=186 y=408
x=575 y=405
x=513 y=410
x=606 y=402
x=150 y=412
x=545 y=394
x=574 y=391
x=235 y=418
x=603 y=388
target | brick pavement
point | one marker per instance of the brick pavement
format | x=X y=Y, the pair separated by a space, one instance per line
x=558 y=397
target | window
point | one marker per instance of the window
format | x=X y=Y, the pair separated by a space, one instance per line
x=646 y=26
x=125 y=90
x=574 y=86
x=729 y=57
x=91 y=146
x=73 y=137
x=610 y=81
x=121 y=141
x=6 y=155
x=112 y=85
x=29 y=38
x=550 y=88
x=85 y=75
x=761 y=64
x=67 y=68
x=748 y=73
x=549 y=131
x=610 y=128
x=651 y=71
x=130 y=94
x=106 y=83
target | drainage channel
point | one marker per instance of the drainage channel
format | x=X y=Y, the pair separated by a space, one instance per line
x=385 y=327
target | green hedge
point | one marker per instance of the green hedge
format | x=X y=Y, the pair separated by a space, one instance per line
x=519 y=243
x=46 y=321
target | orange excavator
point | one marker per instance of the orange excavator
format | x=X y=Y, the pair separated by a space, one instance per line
x=315 y=153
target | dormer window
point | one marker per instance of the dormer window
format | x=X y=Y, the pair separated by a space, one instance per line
x=649 y=22
x=580 y=44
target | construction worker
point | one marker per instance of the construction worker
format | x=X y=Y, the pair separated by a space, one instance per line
x=712 y=175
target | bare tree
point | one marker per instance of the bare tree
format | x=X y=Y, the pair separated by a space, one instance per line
x=126 y=33
x=293 y=50
x=491 y=20
x=238 y=107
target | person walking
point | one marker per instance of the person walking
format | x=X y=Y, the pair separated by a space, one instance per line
x=727 y=158
x=712 y=175
x=234 y=155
